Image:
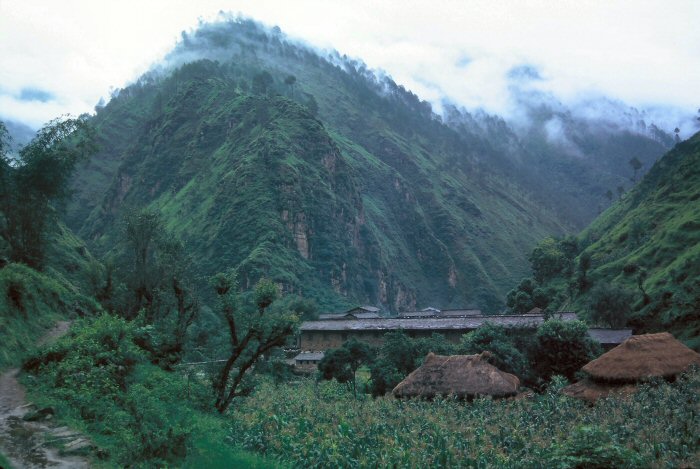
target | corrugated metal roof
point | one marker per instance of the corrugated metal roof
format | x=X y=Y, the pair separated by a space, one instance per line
x=438 y=323
x=610 y=336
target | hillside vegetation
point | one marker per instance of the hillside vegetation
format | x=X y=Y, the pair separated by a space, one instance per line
x=339 y=184
x=638 y=264
x=650 y=243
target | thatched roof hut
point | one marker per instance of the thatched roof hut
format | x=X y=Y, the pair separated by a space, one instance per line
x=637 y=359
x=464 y=376
x=642 y=357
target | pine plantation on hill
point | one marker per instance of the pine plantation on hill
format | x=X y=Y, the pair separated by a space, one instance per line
x=341 y=185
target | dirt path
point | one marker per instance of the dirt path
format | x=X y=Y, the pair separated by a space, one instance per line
x=23 y=442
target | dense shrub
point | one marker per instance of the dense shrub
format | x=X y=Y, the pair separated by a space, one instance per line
x=495 y=340
x=562 y=348
x=98 y=381
x=610 y=304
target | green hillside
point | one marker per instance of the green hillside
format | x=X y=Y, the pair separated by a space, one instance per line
x=32 y=301
x=656 y=229
x=638 y=264
x=343 y=186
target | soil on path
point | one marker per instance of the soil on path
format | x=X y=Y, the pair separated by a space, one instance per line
x=25 y=443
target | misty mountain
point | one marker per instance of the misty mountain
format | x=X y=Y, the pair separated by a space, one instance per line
x=20 y=134
x=267 y=156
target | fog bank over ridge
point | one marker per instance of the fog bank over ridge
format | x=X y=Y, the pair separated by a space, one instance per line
x=581 y=54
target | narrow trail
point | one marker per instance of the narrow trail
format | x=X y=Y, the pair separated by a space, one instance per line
x=24 y=443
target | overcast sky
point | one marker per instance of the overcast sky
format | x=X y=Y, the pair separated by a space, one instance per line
x=60 y=57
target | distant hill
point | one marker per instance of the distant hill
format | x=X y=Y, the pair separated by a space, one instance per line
x=270 y=157
x=19 y=133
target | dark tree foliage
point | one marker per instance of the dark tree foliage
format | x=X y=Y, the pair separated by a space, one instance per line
x=153 y=286
x=384 y=377
x=495 y=340
x=143 y=232
x=636 y=166
x=610 y=304
x=262 y=82
x=400 y=355
x=252 y=334
x=34 y=185
x=342 y=363
x=548 y=259
x=584 y=264
x=562 y=348
x=527 y=296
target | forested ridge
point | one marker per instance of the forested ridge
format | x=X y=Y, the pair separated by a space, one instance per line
x=336 y=182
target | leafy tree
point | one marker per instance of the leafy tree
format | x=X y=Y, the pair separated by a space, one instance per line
x=641 y=278
x=620 y=191
x=342 y=363
x=610 y=304
x=636 y=166
x=584 y=264
x=143 y=231
x=401 y=351
x=527 y=296
x=495 y=340
x=252 y=334
x=384 y=377
x=548 y=259
x=159 y=291
x=436 y=343
x=562 y=348
x=262 y=82
x=397 y=358
x=36 y=183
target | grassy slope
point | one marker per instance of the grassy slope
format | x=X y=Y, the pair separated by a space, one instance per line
x=656 y=227
x=646 y=247
x=31 y=301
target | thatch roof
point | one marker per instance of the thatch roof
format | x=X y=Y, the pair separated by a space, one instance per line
x=642 y=357
x=464 y=376
x=591 y=391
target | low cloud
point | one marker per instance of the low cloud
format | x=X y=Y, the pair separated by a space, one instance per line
x=35 y=94
x=465 y=52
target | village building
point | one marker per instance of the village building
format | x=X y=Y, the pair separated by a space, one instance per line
x=308 y=361
x=609 y=338
x=324 y=334
x=361 y=312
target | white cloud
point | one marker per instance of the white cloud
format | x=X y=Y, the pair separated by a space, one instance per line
x=646 y=53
